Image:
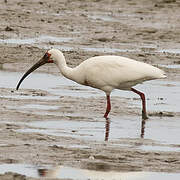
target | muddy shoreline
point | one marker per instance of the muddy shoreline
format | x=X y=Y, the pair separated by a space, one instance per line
x=63 y=124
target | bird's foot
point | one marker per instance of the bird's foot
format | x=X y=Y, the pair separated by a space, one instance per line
x=105 y=116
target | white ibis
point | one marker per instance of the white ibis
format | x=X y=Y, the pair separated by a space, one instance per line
x=103 y=72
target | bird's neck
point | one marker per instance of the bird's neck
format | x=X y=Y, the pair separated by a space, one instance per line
x=65 y=70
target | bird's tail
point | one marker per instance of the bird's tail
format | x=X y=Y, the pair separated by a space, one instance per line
x=162 y=74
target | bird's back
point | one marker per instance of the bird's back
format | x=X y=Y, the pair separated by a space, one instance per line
x=116 y=72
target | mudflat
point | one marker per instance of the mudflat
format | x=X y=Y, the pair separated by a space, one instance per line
x=51 y=121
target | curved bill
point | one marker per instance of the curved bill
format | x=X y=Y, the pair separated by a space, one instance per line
x=41 y=62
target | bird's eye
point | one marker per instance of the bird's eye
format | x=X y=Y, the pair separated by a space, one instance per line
x=46 y=56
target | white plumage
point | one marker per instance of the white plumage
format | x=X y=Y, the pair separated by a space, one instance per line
x=115 y=72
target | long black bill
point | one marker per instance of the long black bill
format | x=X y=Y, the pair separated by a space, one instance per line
x=41 y=62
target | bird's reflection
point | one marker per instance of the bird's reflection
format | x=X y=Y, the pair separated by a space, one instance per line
x=143 y=123
x=107 y=128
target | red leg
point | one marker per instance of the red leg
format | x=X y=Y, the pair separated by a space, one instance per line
x=144 y=115
x=108 y=108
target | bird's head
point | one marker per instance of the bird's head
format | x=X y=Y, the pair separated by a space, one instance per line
x=50 y=56
x=55 y=56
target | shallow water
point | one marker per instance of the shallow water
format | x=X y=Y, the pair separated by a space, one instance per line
x=75 y=129
x=63 y=172
x=48 y=42
x=108 y=50
x=45 y=40
x=172 y=51
x=171 y=66
x=35 y=40
x=57 y=85
x=159 y=148
x=23 y=169
x=104 y=17
x=125 y=127
x=162 y=95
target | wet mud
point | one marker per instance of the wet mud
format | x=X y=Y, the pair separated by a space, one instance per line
x=54 y=128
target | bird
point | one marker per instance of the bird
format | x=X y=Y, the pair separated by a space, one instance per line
x=107 y=72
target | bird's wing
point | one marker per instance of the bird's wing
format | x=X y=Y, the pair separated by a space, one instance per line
x=117 y=72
